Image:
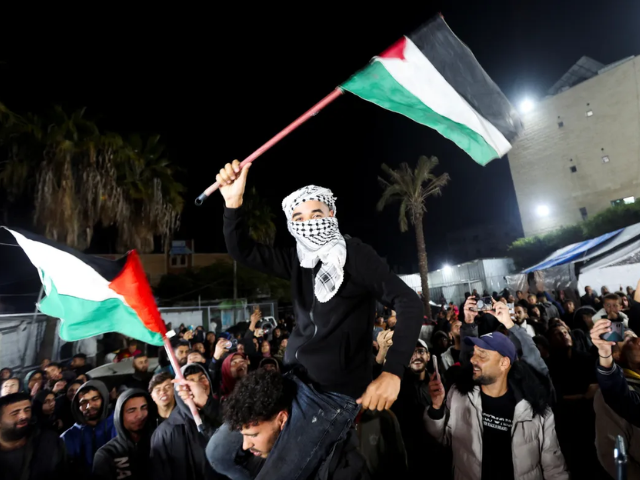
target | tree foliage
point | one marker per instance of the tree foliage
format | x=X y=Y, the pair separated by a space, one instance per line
x=79 y=176
x=532 y=250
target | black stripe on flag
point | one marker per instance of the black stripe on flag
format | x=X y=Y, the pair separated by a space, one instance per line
x=109 y=269
x=457 y=64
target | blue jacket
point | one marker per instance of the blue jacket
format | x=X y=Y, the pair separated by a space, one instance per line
x=83 y=441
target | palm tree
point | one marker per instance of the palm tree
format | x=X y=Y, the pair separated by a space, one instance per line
x=259 y=218
x=411 y=188
x=79 y=177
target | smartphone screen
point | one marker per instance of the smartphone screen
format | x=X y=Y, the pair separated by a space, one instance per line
x=616 y=334
x=435 y=365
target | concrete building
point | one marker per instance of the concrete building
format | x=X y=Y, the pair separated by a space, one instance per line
x=580 y=150
x=180 y=257
x=484 y=241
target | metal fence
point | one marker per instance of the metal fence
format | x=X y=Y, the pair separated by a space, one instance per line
x=26 y=339
x=452 y=282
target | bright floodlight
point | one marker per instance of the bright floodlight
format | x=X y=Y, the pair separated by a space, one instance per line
x=542 y=210
x=446 y=269
x=526 y=106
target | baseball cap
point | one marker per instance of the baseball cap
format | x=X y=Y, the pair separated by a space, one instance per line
x=496 y=342
x=422 y=343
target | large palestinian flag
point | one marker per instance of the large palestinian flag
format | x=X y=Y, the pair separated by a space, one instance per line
x=93 y=295
x=433 y=78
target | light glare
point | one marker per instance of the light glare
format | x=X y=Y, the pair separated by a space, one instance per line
x=526 y=106
x=542 y=210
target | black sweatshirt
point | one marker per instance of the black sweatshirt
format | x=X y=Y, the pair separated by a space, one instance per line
x=332 y=340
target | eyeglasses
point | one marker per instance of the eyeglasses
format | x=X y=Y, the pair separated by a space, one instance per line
x=420 y=351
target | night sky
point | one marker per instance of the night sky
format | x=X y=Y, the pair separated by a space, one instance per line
x=218 y=82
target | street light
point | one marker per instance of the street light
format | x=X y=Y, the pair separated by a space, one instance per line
x=526 y=105
x=542 y=210
x=446 y=269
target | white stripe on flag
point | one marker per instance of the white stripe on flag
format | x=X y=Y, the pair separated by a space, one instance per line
x=70 y=275
x=418 y=75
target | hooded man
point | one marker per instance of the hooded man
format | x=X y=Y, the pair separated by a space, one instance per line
x=127 y=455
x=93 y=428
x=335 y=283
x=26 y=452
x=177 y=448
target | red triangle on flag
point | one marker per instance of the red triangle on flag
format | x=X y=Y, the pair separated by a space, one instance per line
x=396 y=50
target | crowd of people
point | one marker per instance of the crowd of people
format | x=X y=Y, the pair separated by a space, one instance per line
x=523 y=376
x=528 y=385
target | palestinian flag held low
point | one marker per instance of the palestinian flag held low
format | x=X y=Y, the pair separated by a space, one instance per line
x=93 y=295
x=433 y=78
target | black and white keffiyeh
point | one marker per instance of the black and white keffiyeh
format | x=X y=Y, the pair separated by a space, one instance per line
x=318 y=239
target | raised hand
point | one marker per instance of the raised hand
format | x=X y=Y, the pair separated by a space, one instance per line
x=501 y=312
x=232 y=182
x=469 y=313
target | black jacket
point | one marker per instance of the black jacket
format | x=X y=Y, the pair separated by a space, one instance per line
x=121 y=457
x=46 y=456
x=332 y=340
x=178 y=449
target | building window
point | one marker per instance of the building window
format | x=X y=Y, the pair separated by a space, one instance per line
x=623 y=201
x=573 y=169
x=605 y=159
x=183 y=260
x=560 y=124
x=589 y=113
x=583 y=213
x=174 y=261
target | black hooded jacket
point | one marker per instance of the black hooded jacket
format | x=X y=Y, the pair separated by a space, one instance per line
x=121 y=457
x=44 y=456
x=177 y=448
x=332 y=340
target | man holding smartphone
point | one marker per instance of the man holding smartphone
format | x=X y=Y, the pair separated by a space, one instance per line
x=612 y=310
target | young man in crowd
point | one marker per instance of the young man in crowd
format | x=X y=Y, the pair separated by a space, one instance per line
x=409 y=409
x=54 y=374
x=194 y=356
x=25 y=451
x=93 y=428
x=129 y=352
x=259 y=408
x=141 y=375
x=452 y=354
x=335 y=284
x=79 y=364
x=128 y=454
x=162 y=393
x=9 y=386
x=64 y=403
x=590 y=299
x=5 y=373
x=181 y=350
x=177 y=448
x=517 y=437
x=521 y=316
x=575 y=383
x=569 y=312
x=609 y=423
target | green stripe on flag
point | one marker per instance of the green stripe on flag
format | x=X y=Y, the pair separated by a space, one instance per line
x=375 y=84
x=85 y=318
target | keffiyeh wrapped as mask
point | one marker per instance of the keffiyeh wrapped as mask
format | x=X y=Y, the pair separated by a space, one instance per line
x=318 y=239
